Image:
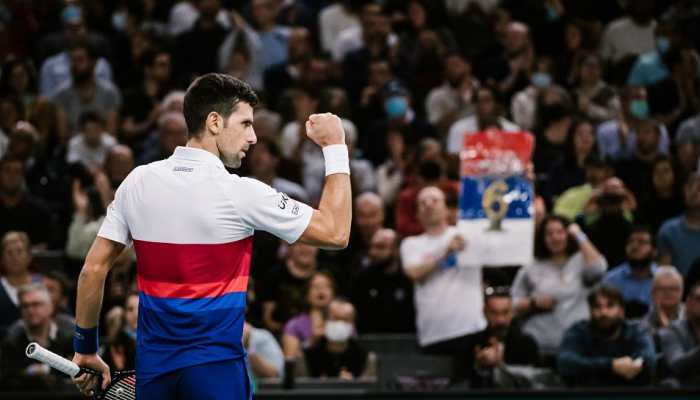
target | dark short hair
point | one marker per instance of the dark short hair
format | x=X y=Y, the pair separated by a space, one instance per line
x=84 y=44
x=214 y=92
x=606 y=291
x=495 y=292
x=541 y=250
x=640 y=228
x=90 y=116
x=62 y=279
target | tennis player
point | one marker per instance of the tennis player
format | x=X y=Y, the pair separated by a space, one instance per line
x=192 y=224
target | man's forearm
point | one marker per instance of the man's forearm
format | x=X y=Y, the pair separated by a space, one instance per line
x=90 y=292
x=336 y=203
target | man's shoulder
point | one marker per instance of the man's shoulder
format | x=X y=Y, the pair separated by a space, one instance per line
x=671 y=225
x=617 y=274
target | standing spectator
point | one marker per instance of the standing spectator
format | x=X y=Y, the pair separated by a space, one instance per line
x=91 y=145
x=19 y=372
x=453 y=99
x=305 y=329
x=197 y=48
x=680 y=342
x=16 y=259
x=488 y=115
x=634 y=278
x=283 y=296
x=630 y=35
x=334 y=19
x=19 y=210
x=667 y=305
x=337 y=354
x=617 y=138
x=86 y=92
x=664 y=201
x=501 y=343
x=607 y=350
x=593 y=97
x=381 y=292
x=678 y=237
x=449 y=303
x=563 y=255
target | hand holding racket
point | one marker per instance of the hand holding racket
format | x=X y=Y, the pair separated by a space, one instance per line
x=113 y=386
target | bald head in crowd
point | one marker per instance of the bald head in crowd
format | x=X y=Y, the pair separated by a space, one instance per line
x=369 y=214
x=119 y=162
x=172 y=132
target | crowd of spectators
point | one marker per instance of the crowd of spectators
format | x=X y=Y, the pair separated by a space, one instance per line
x=608 y=89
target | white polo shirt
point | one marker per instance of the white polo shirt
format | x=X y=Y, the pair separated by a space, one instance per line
x=192 y=223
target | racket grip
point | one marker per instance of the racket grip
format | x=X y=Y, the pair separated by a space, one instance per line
x=36 y=352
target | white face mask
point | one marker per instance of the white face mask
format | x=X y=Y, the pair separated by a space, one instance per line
x=338 y=331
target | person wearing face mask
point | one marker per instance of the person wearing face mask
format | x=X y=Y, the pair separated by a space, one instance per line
x=337 y=354
x=617 y=138
x=634 y=277
x=650 y=68
x=608 y=350
x=525 y=103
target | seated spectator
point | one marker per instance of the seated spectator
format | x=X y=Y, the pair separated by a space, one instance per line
x=617 y=138
x=122 y=324
x=552 y=129
x=369 y=217
x=680 y=343
x=274 y=38
x=337 y=354
x=119 y=162
x=571 y=170
x=265 y=157
x=264 y=353
x=390 y=174
x=381 y=291
x=665 y=200
x=90 y=146
x=547 y=307
x=501 y=343
x=630 y=35
x=634 y=277
x=453 y=99
x=489 y=114
x=19 y=210
x=636 y=171
x=608 y=219
x=335 y=18
x=524 y=104
x=649 y=68
x=607 y=350
x=593 y=97
x=12 y=110
x=678 y=237
x=19 y=372
x=283 y=290
x=172 y=132
x=16 y=259
x=60 y=287
x=295 y=68
x=88 y=213
x=449 y=303
x=86 y=92
x=667 y=305
x=573 y=201
x=305 y=329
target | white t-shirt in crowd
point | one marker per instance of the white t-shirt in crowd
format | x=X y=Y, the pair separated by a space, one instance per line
x=624 y=37
x=80 y=152
x=449 y=302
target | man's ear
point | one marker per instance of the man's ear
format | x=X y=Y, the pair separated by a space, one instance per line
x=214 y=123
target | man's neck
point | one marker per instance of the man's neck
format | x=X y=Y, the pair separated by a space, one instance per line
x=437 y=229
x=204 y=142
x=20 y=279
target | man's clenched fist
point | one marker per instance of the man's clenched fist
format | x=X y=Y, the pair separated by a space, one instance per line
x=325 y=129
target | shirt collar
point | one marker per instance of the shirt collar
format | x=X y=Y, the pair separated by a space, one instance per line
x=195 y=154
x=627 y=269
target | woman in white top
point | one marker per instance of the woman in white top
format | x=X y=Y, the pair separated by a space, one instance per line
x=550 y=295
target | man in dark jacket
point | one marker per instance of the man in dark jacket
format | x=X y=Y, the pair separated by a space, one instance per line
x=680 y=343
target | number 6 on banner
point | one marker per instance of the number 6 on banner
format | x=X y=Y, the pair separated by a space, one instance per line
x=122 y=387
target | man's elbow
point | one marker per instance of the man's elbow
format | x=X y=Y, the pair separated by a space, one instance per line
x=339 y=242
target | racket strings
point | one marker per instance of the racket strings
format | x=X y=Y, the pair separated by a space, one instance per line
x=124 y=389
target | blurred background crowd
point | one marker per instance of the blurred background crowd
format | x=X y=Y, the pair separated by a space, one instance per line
x=609 y=89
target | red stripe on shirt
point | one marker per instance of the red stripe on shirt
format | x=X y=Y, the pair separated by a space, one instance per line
x=193 y=263
x=192 y=290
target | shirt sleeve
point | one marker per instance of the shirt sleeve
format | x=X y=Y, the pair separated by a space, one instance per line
x=114 y=227
x=262 y=207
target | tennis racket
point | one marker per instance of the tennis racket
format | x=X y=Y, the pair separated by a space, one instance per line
x=122 y=387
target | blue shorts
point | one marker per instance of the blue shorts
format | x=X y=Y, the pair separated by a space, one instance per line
x=222 y=380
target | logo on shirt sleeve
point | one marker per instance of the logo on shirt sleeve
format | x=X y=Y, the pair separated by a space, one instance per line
x=284 y=199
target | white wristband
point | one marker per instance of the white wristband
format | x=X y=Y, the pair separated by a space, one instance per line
x=337 y=159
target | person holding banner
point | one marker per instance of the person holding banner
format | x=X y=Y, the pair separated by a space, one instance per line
x=550 y=294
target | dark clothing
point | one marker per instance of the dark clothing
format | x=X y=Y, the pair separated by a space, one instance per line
x=196 y=51
x=14 y=363
x=636 y=174
x=586 y=356
x=681 y=352
x=563 y=175
x=519 y=348
x=654 y=210
x=322 y=363
x=138 y=105
x=277 y=80
x=9 y=312
x=609 y=235
x=30 y=216
x=384 y=301
x=288 y=293
x=374 y=143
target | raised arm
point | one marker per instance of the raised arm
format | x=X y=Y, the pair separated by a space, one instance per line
x=330 y=223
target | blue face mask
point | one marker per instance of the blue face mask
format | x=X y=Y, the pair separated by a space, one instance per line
x=639 y=109
x=662 y=44
x=396 y=107
x=541 y=79
x=130 y=333
x=119 y=21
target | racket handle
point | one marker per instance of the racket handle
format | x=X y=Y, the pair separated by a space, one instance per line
x=53 y=360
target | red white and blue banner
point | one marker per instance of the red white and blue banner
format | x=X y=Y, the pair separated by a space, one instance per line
x=496 y=199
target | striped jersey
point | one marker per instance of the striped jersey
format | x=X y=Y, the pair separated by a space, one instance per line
x=191 y=224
